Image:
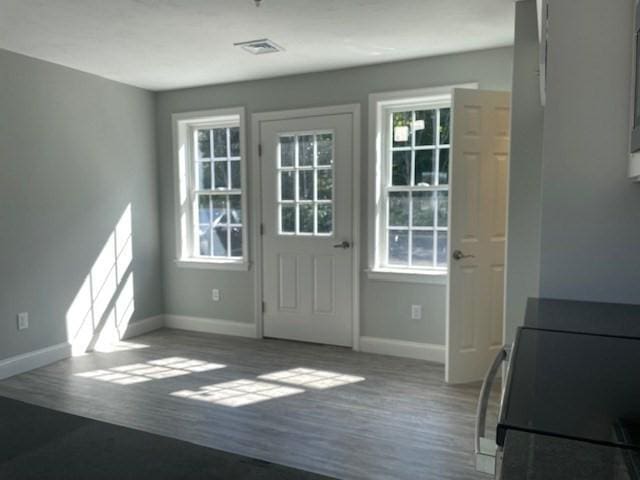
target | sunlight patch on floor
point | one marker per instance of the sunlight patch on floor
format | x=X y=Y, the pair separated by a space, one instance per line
x=308 y=377
x=152 y=370
x=238 y=393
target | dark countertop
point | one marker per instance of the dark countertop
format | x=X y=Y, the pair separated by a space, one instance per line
x=572 y=401
x=596 y=318
x=539 y=457
x=572 y=385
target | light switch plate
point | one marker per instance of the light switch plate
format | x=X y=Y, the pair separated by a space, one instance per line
x=215 y=295
x=416 y=312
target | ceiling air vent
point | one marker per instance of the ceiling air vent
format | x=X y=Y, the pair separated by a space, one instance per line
x=259 y=47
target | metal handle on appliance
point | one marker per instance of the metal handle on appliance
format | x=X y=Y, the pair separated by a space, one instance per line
x=485 y=449
x=458 y=255
x=344 y=244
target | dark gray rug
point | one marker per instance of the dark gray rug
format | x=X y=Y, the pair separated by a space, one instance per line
x=39 y=443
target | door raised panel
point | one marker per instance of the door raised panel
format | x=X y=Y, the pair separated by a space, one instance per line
x=496 y=296
x=472 y=120
x=471 y=211
x=469 y=310
x=323 y=284
x=288 y=284
x=499 y=207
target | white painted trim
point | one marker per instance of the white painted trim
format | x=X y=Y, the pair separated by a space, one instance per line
x=389 y=275
x=256 y=119
x=400 y=348
x=210 y=325
x=212 y=264
x=143 y=326
x=38 y=358
x=182 y=183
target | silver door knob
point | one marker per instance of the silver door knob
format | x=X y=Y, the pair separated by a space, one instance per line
x=458 y=255
x=344 y=244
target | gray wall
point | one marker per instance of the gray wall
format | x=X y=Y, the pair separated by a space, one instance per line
x=385 y=305
x=75 y=150
x=527 y=116
x=590 y=210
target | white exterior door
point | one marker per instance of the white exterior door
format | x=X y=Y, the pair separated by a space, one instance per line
x=479 y=172
x=307 y=215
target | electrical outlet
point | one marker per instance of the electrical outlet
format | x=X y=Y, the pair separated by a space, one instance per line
x=215 y=295
x=416 y=312
x=23 y=321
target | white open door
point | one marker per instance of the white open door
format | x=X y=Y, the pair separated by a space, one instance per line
x=479 y=172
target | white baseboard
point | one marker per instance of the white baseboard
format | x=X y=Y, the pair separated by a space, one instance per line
x=143 y=326
x=400 y=348
x=38 y=358
x=210 y=325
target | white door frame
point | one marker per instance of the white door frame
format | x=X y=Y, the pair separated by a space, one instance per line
x=256 y=214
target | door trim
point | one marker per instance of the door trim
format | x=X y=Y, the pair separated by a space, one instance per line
x=256 y=214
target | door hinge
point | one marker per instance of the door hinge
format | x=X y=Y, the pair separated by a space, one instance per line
x=264 y=307
x=259 y=149
x=262 y=229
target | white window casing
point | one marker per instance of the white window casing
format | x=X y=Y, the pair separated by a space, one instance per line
x=209 y=149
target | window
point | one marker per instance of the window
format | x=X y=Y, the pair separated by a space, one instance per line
x=211 y=204
x=305 y=183
x=410 y=207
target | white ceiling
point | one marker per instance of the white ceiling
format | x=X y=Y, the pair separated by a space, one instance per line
x=166 y=44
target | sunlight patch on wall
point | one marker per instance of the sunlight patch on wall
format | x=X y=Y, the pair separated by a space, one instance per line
x=153 y=370
x=238 y=393
x=308 y=377
x=103 y=306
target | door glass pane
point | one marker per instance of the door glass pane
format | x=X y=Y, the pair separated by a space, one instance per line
x=441 y=256
x=401 y=129
x=443 y=209
x=423 y=207
x=398 y=209
x=443 y=177
x=425 y=127
x=219 y=209
x=306 y=218
x=204 y=144
x=424 y=174
x=398 y=242
x=401 y=168
x=422 y=249
x=204 y=175
x=234 y=133
x=325 y=218
x=204 y=209
x=287 y=151
x=220 y=241
x=287 y=185
x=325 y=184
x=220 y=142
x=221 y=175
x=305 y=185
x=236 y=242
x=288 y=218
x=235 y=173
x=445 y=121
x=306 y=179
x=204 y=243
x=325 y=148
x=305 y=150
x=235 y=203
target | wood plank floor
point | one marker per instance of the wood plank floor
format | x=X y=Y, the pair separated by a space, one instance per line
x=345 y=414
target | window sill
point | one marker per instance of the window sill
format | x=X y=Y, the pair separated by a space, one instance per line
x=432 y=277
x=238 y=265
